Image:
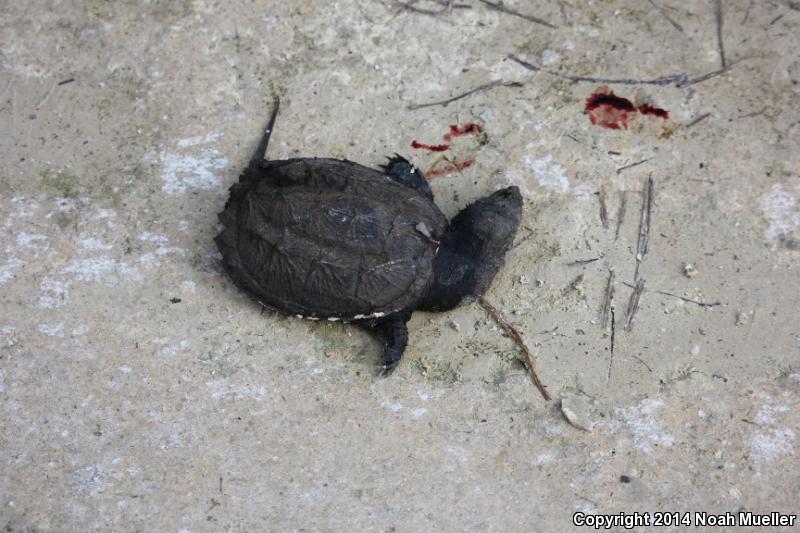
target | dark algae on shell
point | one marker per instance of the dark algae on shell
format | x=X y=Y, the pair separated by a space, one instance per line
x=330 y=239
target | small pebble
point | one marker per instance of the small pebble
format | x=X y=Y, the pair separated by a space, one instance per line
x=743 y=317
x=576 y=410
x=689 y=270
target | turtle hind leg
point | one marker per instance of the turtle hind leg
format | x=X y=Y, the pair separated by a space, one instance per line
x=392 y=331
x=260 y=156
x=403 y=172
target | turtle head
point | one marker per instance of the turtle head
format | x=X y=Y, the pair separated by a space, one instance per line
x=494 y=220
x=473 y=249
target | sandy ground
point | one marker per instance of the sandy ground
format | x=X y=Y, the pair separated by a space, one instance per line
x=140 y=391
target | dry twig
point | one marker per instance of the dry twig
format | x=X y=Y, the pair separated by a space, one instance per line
x=642 y=361
x=484 y=87
x=601 y=197
x=644 y=225
x=514 y=334
x=633 y=304
x=608 y=300
x=46 y=96
x=720 y=45
x=689 y=300
x=747 y=12
x=582 y=261
x=678 y=79
x=613 y=333
x=776 y=19
x=697 y=120
x=503 y=9
x=620 y=213
x=709 y=75
x=666 y=16
x=685 y=299
x=447 y=7
x=626 y=167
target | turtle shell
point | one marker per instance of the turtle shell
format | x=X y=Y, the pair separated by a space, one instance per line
x=326 y=238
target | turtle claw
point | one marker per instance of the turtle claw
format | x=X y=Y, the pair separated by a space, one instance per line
x=394 y=164
x=388 y=369
x=404 y=172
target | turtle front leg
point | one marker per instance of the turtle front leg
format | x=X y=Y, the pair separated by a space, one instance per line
x=392 y=332
x=402 y=171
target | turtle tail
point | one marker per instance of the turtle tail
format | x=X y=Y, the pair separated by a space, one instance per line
x=252 y=174
x=261 y=152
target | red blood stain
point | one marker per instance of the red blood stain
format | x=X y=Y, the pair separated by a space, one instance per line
x=611 y=111
x=470 y=128
x=457 y=131
x=647 y=109
x=430 y=147
x=449 y=169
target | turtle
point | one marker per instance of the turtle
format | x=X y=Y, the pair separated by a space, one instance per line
x=330 y=239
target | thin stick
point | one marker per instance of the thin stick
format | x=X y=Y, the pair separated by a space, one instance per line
x=633 y=304
x=448 y=7
x=747 y=12
x=620 y=213
x=13 y=111
x=664 y=14
x=608 y=300
x=46 y=96
x=626 y=167
x=719 y=34
x=697 y=120
x=64 y=82
x=451 y=4
x=677 y=79
x=410 y=7
x=767 y=111
x=613 y=334
x=642 y=361
x=484 y=87
x=776 y=19
x=601 y=196
x=500 y=7
x=582 y=261
x=550 y=332
x=689 y=300
x=708 y=75
x=514 y=334
x=644 y=224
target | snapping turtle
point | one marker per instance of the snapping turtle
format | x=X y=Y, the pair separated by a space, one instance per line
x=332 y=239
